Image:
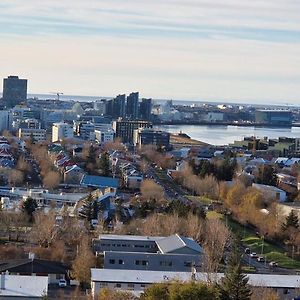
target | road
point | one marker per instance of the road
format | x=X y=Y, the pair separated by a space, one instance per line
x=172 y=190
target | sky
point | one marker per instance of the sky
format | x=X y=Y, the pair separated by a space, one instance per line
x=234 y=50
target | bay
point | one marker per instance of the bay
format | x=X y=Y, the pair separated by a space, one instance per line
x=224 y=135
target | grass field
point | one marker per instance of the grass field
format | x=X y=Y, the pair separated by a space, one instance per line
x=256 y=244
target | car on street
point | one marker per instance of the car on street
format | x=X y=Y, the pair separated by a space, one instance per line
x=273 y=264
x=260 y=259
x=253 y=255
x=62 y=283
x=247 y=251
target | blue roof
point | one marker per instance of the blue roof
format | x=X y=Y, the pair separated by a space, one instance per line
x=99 y=181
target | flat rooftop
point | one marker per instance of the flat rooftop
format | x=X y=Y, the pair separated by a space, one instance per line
x=138 y=276
x=129 y=237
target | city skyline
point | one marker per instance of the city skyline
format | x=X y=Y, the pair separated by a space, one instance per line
x=196 y=50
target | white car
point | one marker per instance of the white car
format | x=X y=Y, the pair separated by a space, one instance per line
x=253 y=255
x=62 y=283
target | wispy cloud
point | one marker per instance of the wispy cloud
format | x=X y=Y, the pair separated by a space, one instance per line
x=182 y=49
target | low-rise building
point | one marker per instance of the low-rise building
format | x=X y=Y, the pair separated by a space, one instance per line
x=271 y=192
x=38 y=135
x=61 y=131
x=148 y=136
x=286 y=286
x=172 y=253
x=104 y=135
x=23 y=287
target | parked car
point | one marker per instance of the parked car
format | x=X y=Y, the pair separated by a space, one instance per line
x=62 y=283
x=273 y=264
x=253 y=255
x=260 y=259
x=247 y=251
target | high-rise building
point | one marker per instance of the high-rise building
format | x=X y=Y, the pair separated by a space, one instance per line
x=146 y=109
x=100 y=106
x=125 y=129
x=119 y=106
x=61 y=131
x=14 y=90
x=132 y=108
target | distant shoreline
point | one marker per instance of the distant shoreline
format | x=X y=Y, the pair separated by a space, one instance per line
x=201 y=123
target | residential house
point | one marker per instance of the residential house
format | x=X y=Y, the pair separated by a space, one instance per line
x=73 y=174
x=271 y=192
x=53 y=270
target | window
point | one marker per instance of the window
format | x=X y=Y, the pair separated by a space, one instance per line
x=143 y=285
x=130 y=286
x=103 y=284
x=118 y=285
x=137 y=262
x=187 y=263
x=145 y=263
x=166 y=263
x=121 y=262
x=112 y=261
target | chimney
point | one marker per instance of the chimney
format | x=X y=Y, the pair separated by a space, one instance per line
x=2 y=281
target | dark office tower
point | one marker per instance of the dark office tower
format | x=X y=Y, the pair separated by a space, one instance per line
x=145 y=109
x=14 y=90
x=132 y=108
x=110 y=107
x=119 y=106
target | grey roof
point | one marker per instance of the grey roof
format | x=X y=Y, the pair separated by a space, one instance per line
x=142 y=276
x=269 y=188
x=174 y=242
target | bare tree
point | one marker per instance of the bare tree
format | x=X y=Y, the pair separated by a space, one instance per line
x=51 y=179
x=216 y=237
x=15 y=177
x=151 y=190
x=84 y=261
x=44 y=230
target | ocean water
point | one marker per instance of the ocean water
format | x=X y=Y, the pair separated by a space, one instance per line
x=224 y=135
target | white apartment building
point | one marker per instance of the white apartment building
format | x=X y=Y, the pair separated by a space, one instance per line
x=61 y=131
x=38 y=135
x=105 y=135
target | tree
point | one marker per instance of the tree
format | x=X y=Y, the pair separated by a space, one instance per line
x=15 y=177
x=44 y=230
x=104 y=164
x=291 y=221
x=181 y=291
x=51 y=179
x=151 y=190
x=234 y=285
x=84 y=261
x=216 y=238
x=266 y=175
x=29 y=206
x=107 y=294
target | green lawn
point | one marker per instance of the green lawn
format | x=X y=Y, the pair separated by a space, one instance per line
x=214 y=215
x=202 y=199
x=256 y=244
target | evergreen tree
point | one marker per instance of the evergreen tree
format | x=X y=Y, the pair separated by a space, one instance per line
x=234 y=285
x=291 y=221
x=29 y=206
x=104 y=164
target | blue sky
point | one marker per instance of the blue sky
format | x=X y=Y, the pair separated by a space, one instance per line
x=233 y=50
